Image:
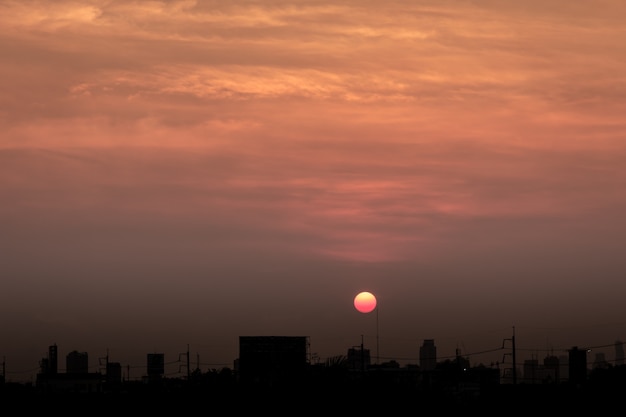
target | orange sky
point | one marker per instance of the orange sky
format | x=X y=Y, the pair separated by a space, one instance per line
x=292 y=153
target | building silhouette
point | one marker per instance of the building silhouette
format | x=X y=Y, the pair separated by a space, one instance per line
x=428 y=355
x=271 y=361
x=76 y=379
x=113 y=377
x=77 y=362
x=359 y=358
x=269 y=364
x=577 y=365
x=50 y=364
x=552 y=367
x=541 y=373
x=155 y=366
x=600 y=361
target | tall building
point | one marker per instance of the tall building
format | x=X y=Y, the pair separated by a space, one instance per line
x=156 y=365
x=577 y=365
x=552 y=366
x=113 y=374
x=50 y=365
x=77 y=362
x=428 y=355
x=531 y=371
x=359 y=358
x=536 y=373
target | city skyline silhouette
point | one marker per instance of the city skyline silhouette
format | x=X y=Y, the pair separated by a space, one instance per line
x=180 y=365
x=275 y=373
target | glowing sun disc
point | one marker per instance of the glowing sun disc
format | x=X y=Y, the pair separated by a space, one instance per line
x=365 y=302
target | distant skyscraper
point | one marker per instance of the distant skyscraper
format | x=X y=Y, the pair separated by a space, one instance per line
x=619 y=352
x=428 y=355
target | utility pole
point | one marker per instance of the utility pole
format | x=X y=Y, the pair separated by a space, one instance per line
x=514 y=369
x=186 y=362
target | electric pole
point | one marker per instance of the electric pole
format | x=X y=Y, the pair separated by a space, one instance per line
x=514 y=369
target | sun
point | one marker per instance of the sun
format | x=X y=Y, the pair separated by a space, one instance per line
x=365 y=302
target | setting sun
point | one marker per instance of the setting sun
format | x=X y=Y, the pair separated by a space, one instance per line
x=365 y=302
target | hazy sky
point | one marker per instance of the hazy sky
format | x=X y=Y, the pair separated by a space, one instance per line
x=182 y=173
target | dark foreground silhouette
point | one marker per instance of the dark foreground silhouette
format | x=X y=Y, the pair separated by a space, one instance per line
x=325 y=392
